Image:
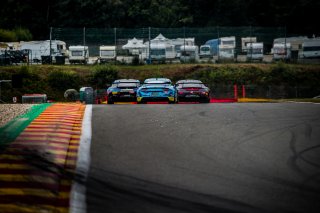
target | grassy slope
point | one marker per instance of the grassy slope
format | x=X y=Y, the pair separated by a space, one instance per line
x=275 y=74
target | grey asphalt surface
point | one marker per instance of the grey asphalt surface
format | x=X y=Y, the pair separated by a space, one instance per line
x=236 y=157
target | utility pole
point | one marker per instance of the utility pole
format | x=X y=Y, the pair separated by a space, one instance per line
x=149 y=45
x=250 y=43
x=50 y=59
x=115 y=44
x=84 y=44
x=285 y=41
x=184 y=43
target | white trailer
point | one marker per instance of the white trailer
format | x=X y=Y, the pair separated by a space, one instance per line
x=311 y=49
x=295 y=43
x=78 y=54
x=226 y=53
x=255 y=51
x=37 y=49
x=245 y=41
x=189 y=53
x=228 y=41
x=226 y=48
x=281 y=51
x=107 y=53
x=162 y=52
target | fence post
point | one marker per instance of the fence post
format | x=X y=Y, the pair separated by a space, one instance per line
x=149 y=57
x=235 y=88
x=50 y=44
x=243 y=91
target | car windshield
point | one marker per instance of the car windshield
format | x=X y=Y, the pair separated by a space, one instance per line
x=190 y=85
x=156 y=83
x=127 y=85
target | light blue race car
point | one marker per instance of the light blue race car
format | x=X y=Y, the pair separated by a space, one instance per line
x=156 y=89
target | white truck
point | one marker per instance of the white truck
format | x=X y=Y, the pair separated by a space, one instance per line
x=209 y=49
x=255 y=51
x=281 y=51
x=189 y=53
x=78 y=54
x=107 y=54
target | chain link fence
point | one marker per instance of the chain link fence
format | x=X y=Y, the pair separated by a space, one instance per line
x=277 y=92
x=95 y=37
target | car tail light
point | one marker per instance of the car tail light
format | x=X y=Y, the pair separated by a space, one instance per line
x=192 y=89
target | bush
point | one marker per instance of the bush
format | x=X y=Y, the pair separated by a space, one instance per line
x=23 y=34
x=7 y=35
x=63 y=80
x=103 y=75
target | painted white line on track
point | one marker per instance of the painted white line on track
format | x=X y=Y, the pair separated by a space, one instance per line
x=305 y=102
x=78 y=191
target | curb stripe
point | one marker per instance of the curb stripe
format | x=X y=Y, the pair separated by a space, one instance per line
x=78 y=191
x=38 y=167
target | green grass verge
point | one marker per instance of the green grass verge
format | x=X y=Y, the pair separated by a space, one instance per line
x=10 y=131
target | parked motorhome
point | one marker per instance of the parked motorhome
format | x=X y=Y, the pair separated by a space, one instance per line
x=245 y=41
x=78 y=54
x=226 y=48
x=255 y=51
x=178 y=42
x=158 y=52
x=209 y=49
x=38 y=49
x=228 y=41
x=161 y=49
x=295 y=43
x=226 y=52
x=281 y=51
x=107 y=54
x=311 y=49
x=189 y=53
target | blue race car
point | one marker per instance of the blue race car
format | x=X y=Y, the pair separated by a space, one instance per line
x=123 y=90
x=156 y=89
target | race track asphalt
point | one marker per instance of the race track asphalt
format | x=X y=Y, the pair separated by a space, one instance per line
x=235 y=157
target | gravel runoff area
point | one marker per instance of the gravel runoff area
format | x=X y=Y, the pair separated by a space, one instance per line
x=11 y=111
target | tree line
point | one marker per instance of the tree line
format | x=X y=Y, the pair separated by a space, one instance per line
x=299 y=16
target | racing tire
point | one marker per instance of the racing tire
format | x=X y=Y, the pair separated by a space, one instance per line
x=110 y=101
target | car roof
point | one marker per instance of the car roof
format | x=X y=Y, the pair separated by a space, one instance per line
x=189 y=81
x=126 y=81
x=157 y=80
x=193 y=85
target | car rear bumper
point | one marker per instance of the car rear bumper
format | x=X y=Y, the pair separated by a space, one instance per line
x=193 y=99
x=155 y=99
